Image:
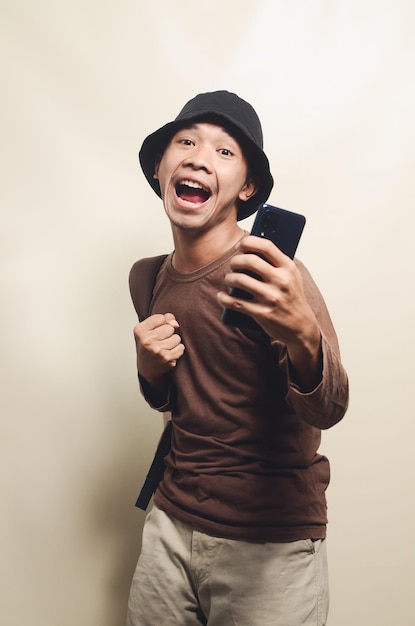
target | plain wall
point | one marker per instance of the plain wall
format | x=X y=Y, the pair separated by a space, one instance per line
x=82 y=84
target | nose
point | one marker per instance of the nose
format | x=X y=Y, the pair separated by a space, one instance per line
x=199 y=159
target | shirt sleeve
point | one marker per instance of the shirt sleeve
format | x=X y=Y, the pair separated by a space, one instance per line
x=325 y=405
x=158 y=401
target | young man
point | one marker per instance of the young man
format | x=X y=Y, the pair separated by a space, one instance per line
x=237 y=532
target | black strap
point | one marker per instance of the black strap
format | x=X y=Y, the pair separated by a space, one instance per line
x=142 y=279
x=156 y=470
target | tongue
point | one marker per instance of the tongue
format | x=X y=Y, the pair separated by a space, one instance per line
x=190 y=194
x=194 y=196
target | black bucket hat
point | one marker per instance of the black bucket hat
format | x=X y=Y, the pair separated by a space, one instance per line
x=238 y=117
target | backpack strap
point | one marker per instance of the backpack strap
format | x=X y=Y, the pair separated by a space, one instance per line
x=142 y=279
x=156 y=471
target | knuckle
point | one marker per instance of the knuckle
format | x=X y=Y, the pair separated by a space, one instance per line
x=285 y=283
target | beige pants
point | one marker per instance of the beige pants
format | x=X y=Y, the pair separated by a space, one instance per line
x=187 y=578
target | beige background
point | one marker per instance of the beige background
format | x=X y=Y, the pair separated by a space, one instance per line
x=82 y=83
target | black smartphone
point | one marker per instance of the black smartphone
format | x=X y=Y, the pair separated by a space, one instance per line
x=284 y=229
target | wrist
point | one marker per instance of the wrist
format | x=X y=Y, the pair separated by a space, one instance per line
x=306 y=359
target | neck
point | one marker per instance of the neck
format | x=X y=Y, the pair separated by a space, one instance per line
x=193 y=250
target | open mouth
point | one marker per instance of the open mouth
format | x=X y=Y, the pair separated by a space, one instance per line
x=192 y=191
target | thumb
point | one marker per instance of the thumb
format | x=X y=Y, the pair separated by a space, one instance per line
x=170 y=319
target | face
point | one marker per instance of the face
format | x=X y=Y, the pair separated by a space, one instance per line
x=203 y=176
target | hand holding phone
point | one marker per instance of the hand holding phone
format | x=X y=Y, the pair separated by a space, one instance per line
x=284 y=229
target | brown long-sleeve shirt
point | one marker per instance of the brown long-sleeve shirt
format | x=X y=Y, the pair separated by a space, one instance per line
x=244 y=462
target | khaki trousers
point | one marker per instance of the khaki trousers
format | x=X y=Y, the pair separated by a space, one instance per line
x=187 y=578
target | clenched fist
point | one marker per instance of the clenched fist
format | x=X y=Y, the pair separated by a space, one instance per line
x=158 y=347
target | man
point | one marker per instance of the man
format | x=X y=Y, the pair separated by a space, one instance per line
x=237 y=532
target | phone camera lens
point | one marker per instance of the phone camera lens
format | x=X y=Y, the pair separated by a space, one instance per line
x=271 y=221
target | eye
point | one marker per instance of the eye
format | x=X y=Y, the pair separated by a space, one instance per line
x=225 y=152
x=184 y=141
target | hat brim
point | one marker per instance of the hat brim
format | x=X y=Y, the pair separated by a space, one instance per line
x=155 y=144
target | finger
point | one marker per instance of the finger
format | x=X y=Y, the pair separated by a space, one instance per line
x=159 y=325
x=158 y=320
x=250 y=263
x=254 y=285
x=265 y=247
x=153 y=321
x=177 y=352
x=170 y=319
x=148 y=339
x=248 y=307
x=170 y=343
x=171 y=356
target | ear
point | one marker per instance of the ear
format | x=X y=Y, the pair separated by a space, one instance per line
x=249 y=189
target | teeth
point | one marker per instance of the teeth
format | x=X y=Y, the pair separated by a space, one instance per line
x=193 y=184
